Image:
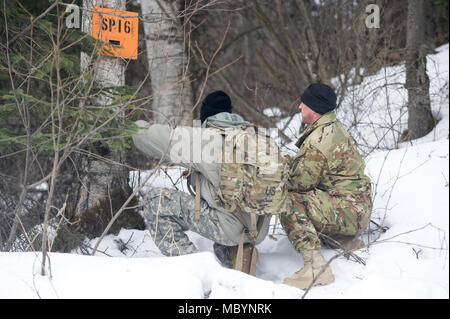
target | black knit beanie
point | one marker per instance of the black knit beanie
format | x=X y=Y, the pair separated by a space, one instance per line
x=320 y=98
x=215 y=103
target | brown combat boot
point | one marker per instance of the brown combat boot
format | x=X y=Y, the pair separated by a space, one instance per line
x=247 y=266
x=313 y=265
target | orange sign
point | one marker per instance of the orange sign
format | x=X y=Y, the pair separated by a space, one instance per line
x=118 y=29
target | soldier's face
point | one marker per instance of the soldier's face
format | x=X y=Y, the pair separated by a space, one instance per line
x=308 y=115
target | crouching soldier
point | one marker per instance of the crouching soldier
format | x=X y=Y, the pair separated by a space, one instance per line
x=330 y=193
x=168 y=213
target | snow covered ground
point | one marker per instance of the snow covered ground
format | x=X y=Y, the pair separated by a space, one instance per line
x=407 y=259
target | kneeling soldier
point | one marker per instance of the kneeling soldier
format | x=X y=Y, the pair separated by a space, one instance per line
x=330 y=193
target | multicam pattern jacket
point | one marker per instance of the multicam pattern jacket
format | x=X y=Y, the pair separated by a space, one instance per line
x=328 y=160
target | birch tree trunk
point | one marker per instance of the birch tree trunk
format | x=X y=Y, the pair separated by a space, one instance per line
x=420 y=120
x=102 y=183
x=168 y=65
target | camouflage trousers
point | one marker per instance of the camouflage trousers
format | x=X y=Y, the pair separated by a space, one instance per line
x=169 y=213
x=316 y=212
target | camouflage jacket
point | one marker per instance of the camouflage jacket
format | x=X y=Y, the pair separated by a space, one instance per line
x=328 y=160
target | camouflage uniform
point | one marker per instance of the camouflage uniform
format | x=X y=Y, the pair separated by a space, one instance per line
x=330 y=193
x=168 y=213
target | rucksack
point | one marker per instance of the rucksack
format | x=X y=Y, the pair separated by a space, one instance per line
x=252 y=175
x=253 y=179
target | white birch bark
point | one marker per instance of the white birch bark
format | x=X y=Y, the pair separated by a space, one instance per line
x=167 y=62
x=100 y=179
x=108 y=72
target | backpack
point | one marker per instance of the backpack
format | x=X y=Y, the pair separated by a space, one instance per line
x=253 y=179
x=252 y=174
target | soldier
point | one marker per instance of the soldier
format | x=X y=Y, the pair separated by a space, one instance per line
x=330 y=193
x=168 y=213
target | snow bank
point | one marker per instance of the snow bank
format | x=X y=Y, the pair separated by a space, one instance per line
x=75 y=276
x=409 y=260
